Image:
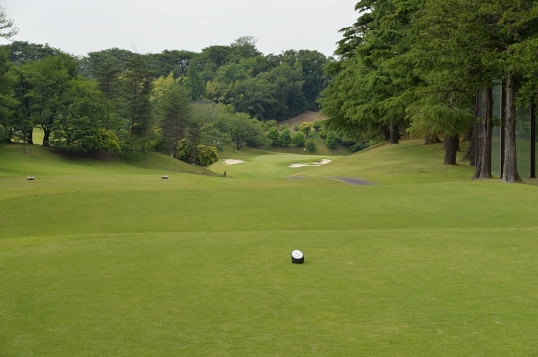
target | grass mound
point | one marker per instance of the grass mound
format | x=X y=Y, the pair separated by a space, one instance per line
x=155 y=161
x=40 y=160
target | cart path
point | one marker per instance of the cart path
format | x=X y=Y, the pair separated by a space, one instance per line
x=352 y=181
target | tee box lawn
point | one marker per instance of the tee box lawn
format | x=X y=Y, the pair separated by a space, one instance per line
x=104 y=258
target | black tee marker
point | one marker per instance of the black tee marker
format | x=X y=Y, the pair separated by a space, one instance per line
x=297 y=257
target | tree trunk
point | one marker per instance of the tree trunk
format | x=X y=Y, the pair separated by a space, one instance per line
x=431 y=139
x=483 y=164
x=46 y=136
x=386 y=132
x=133 y=111
x=451 y=145
x=31 y=137
x=510 y=174
x=394 y=133
x=469 y=155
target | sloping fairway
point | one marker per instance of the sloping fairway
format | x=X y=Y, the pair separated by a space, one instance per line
x=106 y=259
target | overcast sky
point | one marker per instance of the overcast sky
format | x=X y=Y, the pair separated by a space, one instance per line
x=82 y=26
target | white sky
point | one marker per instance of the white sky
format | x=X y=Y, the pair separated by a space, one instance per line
x=82 y=26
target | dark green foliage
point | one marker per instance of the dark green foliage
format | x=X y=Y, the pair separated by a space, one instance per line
x=242 y=48
x=217 y=55
x=331 y=140
x=216 y=119
x=310 y=145
x=173 y=110
x=81 y=118
x=50 y=93
x=202 y=155
x=88 y=64
x=170 y=61
x=20 y=52
x=107 y=99
x=245 y=130
x=298 y=139
x=285 y=136
x=268 y=124
x=273 y=135
x=194 y=133
x=374 y=80
x=317 y=125
x=207 y=155
x=137 y=85
x=106 y=70
x=288 y=98
x=194 y=83
x=7 y=100
x=305 y=128
x=312 y=64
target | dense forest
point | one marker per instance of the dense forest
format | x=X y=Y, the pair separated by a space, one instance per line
x=416 y=66
x=184 y=104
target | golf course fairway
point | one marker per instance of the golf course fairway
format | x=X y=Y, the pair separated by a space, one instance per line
x=104 y=258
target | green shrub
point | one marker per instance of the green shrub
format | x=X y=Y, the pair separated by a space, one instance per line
x=311 y=145
x=331 y=140
x=201 y=155
x=298 y=139
x=273 y=135
x=285 y=137
x=317 y=125
x=268 y=124
x=207 y=155
x=305 y=128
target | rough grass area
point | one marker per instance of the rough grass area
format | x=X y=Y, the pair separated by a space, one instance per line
x=308 y=117
x=106 y=259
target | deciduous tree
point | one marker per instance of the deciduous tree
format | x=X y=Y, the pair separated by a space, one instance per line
x=7 y=26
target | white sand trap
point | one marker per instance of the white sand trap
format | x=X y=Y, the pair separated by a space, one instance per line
x=233 y=162
x=316 y=164
x=294 y=166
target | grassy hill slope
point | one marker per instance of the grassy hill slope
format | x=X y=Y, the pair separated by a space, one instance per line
x=410 y=162
x=308 y=117
x=39 y=160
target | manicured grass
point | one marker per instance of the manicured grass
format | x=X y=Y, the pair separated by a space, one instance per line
x=106 y=259
x=262 y=164
x=410 y=162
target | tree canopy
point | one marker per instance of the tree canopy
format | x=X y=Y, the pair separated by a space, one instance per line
x=416 y=65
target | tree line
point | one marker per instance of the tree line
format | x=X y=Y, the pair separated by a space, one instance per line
x=180 y=103
x=416 y=66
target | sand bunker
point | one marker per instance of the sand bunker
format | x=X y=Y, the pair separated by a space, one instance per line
x=233 y=162
x=322 y=162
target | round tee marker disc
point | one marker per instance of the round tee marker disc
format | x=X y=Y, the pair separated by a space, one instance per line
x=297 y=257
